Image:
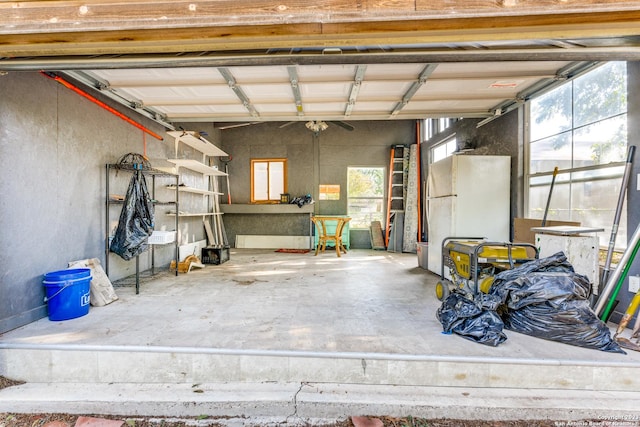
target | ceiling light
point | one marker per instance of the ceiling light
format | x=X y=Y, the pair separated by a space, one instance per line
x=316 y=126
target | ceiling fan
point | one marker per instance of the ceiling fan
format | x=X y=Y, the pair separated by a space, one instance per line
x=321 y=125
x=313 y=125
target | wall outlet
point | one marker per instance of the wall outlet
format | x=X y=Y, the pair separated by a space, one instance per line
x=634 y=284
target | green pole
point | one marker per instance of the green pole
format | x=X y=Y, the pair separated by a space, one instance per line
x=607 y=310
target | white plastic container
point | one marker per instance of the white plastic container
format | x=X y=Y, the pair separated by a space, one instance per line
x=161 y=237
x=422 y=249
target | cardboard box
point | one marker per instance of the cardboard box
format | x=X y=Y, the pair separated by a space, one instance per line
x=522 y=228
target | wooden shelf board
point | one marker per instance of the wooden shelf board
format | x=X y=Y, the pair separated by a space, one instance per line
x=187 y=189
x=195 y=214
x=197 y=166
x=197 y=142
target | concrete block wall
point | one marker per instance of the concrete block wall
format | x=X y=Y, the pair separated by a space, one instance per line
x=312 y=160
x=54 y=145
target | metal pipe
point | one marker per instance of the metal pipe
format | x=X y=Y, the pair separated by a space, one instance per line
x=546 y=209
x=602 y=300
x=616 y=218
x=586 y=59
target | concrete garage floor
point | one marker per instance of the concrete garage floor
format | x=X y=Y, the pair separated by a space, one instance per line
x=354 y=324
x=365 y=301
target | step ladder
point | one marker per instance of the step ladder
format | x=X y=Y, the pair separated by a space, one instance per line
x=395 y=203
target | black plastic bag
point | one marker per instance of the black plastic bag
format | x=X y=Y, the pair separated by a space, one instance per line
x=475 y=320
x=546 y=299
x=136 y=220
x=302 y=200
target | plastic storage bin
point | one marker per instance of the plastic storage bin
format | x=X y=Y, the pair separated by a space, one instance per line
x=161 y=237
x=422 y=249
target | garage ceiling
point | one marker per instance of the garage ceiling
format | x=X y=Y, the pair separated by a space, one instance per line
x=326 y=92
x=234 y=63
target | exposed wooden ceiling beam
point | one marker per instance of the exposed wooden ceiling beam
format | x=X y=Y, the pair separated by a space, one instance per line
x=46 y=16
x=90 y=37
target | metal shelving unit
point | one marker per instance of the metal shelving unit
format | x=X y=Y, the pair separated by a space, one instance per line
x=212 y=214
x=153 y=173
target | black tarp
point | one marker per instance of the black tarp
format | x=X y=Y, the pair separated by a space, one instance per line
x=475 y=320
x=547 y=299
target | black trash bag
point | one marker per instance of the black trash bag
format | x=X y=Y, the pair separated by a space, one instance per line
x=302 y=200
x=546 y=299
x=475 y=320
x=136 y=220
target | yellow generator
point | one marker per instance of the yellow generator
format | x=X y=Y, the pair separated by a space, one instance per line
x=470 y=264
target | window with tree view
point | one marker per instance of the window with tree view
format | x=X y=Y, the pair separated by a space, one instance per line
x=365 y=195
x=581 y=128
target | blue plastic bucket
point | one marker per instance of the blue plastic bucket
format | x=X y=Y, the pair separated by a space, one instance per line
x=68 y=293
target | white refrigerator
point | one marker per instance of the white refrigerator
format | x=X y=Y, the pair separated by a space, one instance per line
x=467 y=196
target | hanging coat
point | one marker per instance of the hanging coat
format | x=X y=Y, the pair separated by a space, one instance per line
x=136 y=220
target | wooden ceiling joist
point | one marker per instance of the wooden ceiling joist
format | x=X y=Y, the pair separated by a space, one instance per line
x=50 y=28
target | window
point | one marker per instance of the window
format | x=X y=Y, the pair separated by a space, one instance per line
x=580 y=127
x=433 y=127
x=444 y=149
x=268 y=180
x=365 y=196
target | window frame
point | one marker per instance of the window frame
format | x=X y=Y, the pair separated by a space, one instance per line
x=443 y=142
x=382 y=198
x=566 y=175
x=268 y=161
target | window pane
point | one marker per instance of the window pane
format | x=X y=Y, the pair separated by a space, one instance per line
x=593 y=204
x=601 y=143
x=444 y=149
x=551 y=113
x=559 y=206
x=365 y=196
x=548 y=153
x=590 y=198
x=276 y=180
x=600 y=94
x=260 y=181
x=439 y=153
x=590 y=133
x=364 y=182
x=363 y=211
